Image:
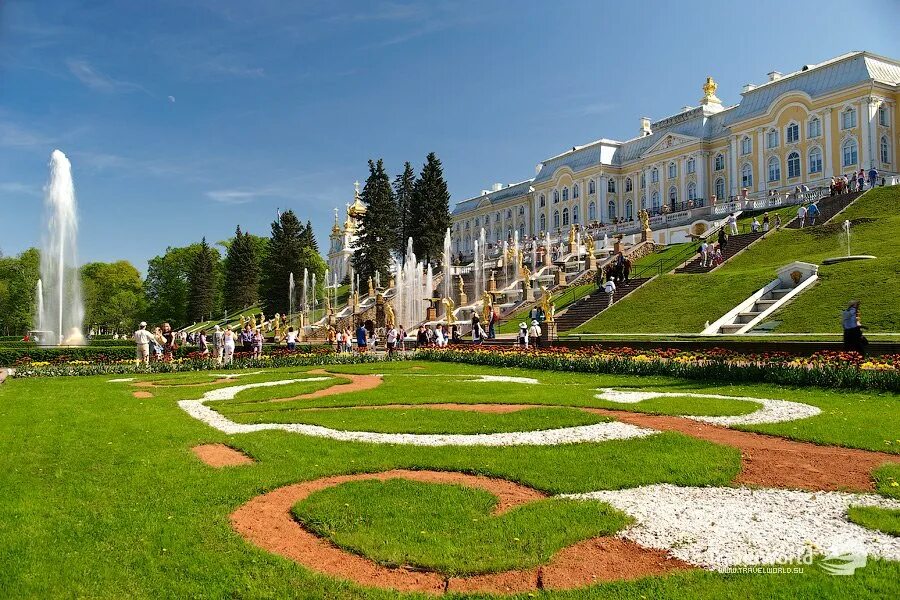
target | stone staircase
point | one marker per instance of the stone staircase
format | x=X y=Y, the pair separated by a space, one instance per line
x=829 y=206
x=593 y=304
x=735 y=244
x=760 y=306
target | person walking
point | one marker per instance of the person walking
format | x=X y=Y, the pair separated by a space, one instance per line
x=732 y=224
x=801 y=215
x=811 y=213
x=873 y=177
x=247 y=339
x=169 y=346
x=610 y=288
x=777 y=221
x=534 y=333
x=228 y=345
x=142 y=340
x=291 y=338
x=523 y=335
x=723 y=238
x=765 y=223
x=218 y=344
x=853 y=338
x=391 y=342
x=477 y=331
x=202 y=346
x=704 y=253
x=361 y=337
x=257 y=343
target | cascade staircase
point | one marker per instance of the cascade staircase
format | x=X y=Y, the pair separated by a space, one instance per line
x=735 y=244
x=759 y=307
x=829 y=206
x=593 y=304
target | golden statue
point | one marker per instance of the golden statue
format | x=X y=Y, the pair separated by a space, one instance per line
x=589 y=245
x=371 y=288
x=487 y=305
x=277 y=322
x=263 y=324
x=547 y=306
x=389 y=315
x=644 y=216
x=571 y=235
x=449 y=307
x=252 y=321
x=709 y=92
x=525 y=273
x=461 y=286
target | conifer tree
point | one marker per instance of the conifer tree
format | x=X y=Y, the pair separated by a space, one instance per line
x=403 y=192
x=377 y=235
x=430 y=211
x=202 y=284
x=285 y=256
x=241 y=272
x=309 y=237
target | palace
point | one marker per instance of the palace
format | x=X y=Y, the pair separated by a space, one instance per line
x=342 y=240
x=793 y=130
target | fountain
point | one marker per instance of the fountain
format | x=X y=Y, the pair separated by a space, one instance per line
x=60 y=311
x=445 y=268
x=845 y=233
x=290 y=297
x=411 y=288
x=476 y=271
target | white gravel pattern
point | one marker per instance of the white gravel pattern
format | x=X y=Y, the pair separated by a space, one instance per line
x=503 y=379
x=120 y=380
x=772 y=411
x=719 y=527
x=599 y=432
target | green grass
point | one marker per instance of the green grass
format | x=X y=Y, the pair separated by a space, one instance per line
x=710 y=407
x=449 y=528
x=683 y=303
x=886 y=520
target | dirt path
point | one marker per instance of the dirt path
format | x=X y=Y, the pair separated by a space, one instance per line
x=267 y=522
x=771 y=461
x=358 y=383
x=220 y=455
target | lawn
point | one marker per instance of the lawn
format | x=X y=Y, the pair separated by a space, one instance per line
x=683 y=303
x=103 y=497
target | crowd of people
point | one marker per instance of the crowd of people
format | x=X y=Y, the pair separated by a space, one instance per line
x=220 y=345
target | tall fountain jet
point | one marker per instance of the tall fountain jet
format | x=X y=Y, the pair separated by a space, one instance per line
x=60 y=307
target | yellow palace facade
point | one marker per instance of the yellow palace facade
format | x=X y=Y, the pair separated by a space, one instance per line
x=794 y=129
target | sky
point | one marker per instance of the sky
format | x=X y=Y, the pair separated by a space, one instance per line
x=184 y=119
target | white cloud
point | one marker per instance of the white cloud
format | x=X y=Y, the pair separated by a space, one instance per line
x=14 y=136
x=95 y=80
x=15 y=187
x=172 y=99
x=240 y=196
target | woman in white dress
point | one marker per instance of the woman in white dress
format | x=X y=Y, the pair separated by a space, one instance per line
x=229 y=345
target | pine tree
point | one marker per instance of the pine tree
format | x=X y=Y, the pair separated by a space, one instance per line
x=377 y=235
x=430 y=211
x=285 y=256
x=403 y=191
x=241 y=272
x=309 y=237
x=201 y=284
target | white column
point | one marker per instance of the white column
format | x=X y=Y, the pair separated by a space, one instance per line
x=865 y=140
x=763 y=174
x=700 y=159
x=828 y=170
x=732 y=165
x=602 y=211
x=682 y=172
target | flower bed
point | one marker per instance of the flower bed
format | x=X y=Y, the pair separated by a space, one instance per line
x=823 y=369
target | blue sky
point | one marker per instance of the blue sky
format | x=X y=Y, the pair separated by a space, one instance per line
x=183 y=119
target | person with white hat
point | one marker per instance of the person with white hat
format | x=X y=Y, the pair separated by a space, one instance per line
x=523 y=335
x=218 y=344
x=535 y=333
x=142 y=339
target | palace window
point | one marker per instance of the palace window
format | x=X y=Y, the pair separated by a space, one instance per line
x=772 y=139
x=629 y=210
x=885 y=150
x=848 y=118
x=476 y=222
x=654 y=175
x=814 y=129
x=746 y=146
x=565 y=194
x=543 y=201
x=849 y=153
x=521 y=210
x=643 y=180
x=883 y=116
x=815 y=160
x=611 y=186
x=654 y=202
x=747 y=176
x=692 y=191
x=719 y=162
x=497 y=234
x=522 y=231
x=543 y=222
x=468 y=243
x=497 y=217
x=565 y=217
x=720 y=188
x=691 y=165
x=555 y=196
x=774 y=169
x=793 y=165
x=673 y=170
x=575 y=192
x=644 y=202
x=673 y=196
x=628 y=184
x=611 y=210
x=509 y=213
x=793 y=133
x=592 y=189
x=576 y=216
x=592 y=212
x=556 y=219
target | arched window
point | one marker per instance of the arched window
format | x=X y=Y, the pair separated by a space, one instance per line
x=643 y=180
x=673 y=170
x=884 y=116
x=456 y=244
x=543 y=222
x=565 y=194
x=692 y=191
x=793 y=165
x=497 y=217
x=575 y=191
x=747 y=176
x=555 y=196
x=575 y=214
x=628 y=184
x=719 y=162
x=592 y=212
x=885 y=150
x=691 y=165
x=611 y=210
x=543 y=202
x=644 y=202
x=814 y=129
x=629 y=210
x=592 y=189
x=673 y=196
x=849 y=152
x=815 y=160
x=772 y=138
x=509 y=232
x=848 y=118
x=746 y=145
x=720 y=188
x=468 y=242
x=509 y=213
x=654 y=175
x=611 y=186
x=774 y=169
x=792 y=134
x=521 y=231
x=654 y=202
x=556 y=219
x=565 y=217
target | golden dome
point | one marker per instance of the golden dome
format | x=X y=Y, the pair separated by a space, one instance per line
x=357 y=209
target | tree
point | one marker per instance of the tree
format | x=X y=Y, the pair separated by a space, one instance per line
x=430 y=211
x=242 y=271
x=201 y=280
x=167 y=285
x=113 y=296
x=18 y=283
x=309 y=237
x=285 y=255
x=404 y=186
x=377 y=235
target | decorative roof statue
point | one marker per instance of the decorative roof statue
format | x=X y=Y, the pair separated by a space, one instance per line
x=709 y=92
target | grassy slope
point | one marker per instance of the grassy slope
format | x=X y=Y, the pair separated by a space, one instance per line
x=683 y=303
x=510 y=324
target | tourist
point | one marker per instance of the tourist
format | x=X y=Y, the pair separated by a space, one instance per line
x=247 y=338
x=421 y=337
x=777 y=221
x=257 y=343
x=391 y=341
x=718 y=257
x=348 y=340
x=732 y=224
x=439 y=339
x=228 y=345
x=704 y=253
x=339 y=341
x=765 y=223
x=361 y=336
x=853 y=337
x=401 y=338
x=811 y=213
x=832 y=187
x=218 y=344
x=493 y=319
x=477 y=331
x=523 y=335
x=291 y=338
x=201 y=344
x=723 y=239
x=169 y=345
x=142 y=340
x=610 y=288
x=534 y=333
x=755 y=226
x=861 y=180
x=801 y=216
